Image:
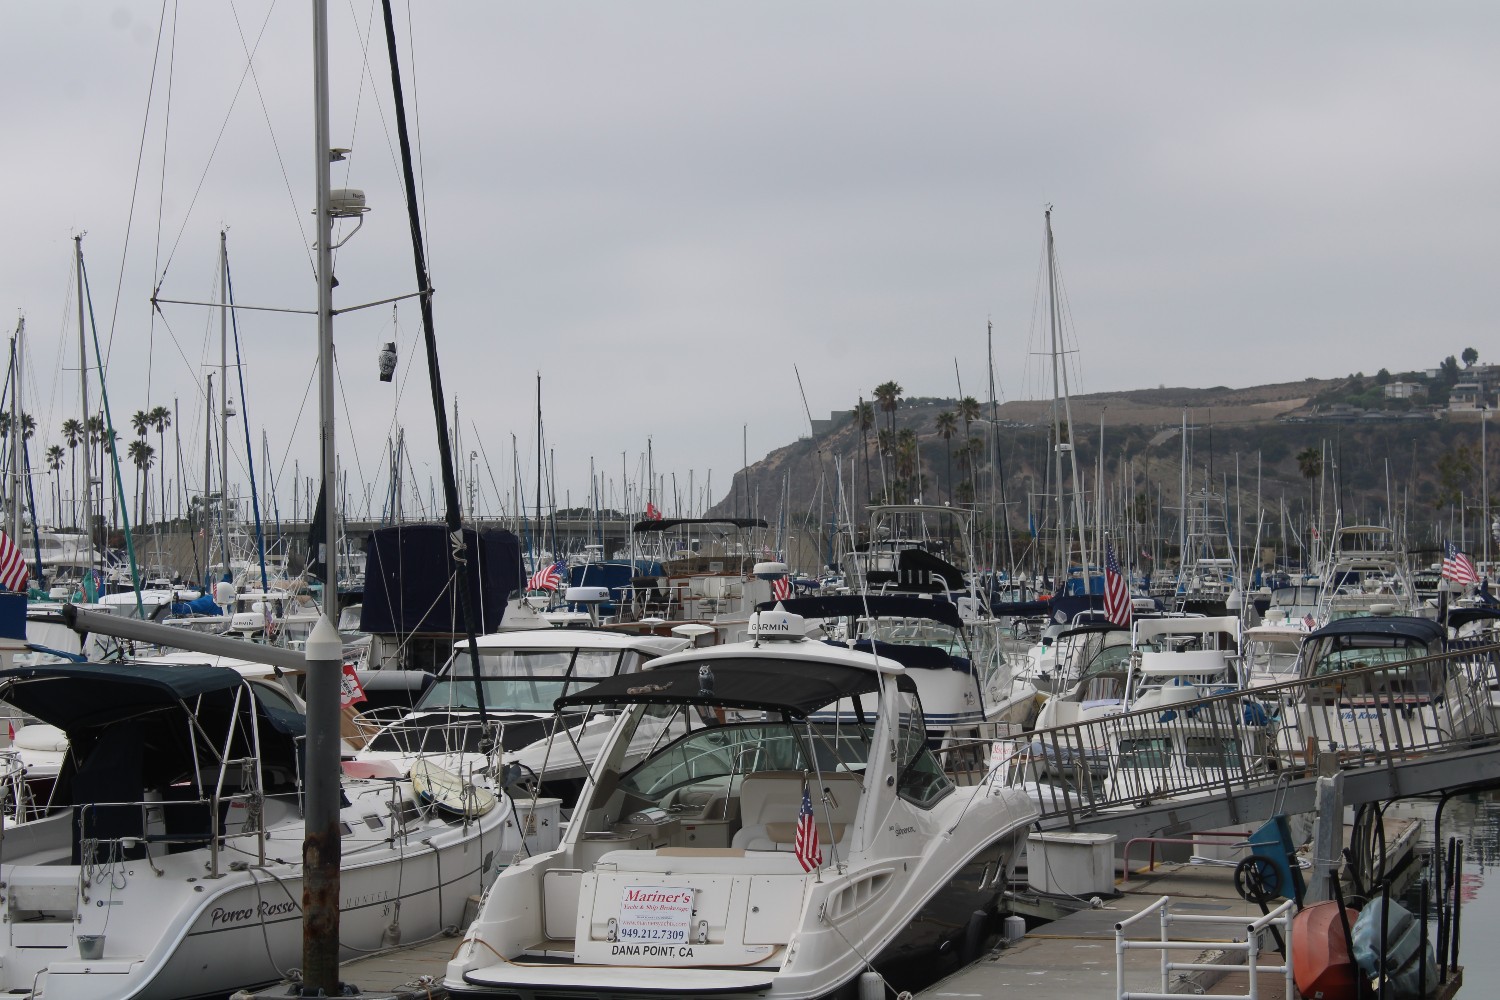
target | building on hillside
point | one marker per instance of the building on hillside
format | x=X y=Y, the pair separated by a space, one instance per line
x=1401 y=390
x=1468 y=395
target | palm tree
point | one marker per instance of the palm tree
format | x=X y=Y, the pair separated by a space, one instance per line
x=947 y=426
x=1310 y=464
x=909 y=461
x=141 y=421
x=864 y=415
x=142 y=454
x=54 y=465
x=888 y=395
x=885 y=447
x=73 y=433
x=968 y=412
x=161 y=419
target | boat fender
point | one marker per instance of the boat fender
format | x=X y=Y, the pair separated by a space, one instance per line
x=974 y=934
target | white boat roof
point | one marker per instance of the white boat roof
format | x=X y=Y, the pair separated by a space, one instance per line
x=555 y=638
x=809 y=650
x=1147 y=628
x=1278 y=630
x=1195 y=662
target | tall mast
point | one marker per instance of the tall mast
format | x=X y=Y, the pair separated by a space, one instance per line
x=83 y=388
x=16 y=436
x=1060 y=393
x=224 y=397
x=208 y=465
x=1182 y=524
x=536 y=560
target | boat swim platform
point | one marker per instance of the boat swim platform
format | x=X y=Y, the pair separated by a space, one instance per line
x=1073 y=957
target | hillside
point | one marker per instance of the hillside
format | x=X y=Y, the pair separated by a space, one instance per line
x=1429 y=463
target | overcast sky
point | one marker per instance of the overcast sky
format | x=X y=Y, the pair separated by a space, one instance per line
x=661 y=207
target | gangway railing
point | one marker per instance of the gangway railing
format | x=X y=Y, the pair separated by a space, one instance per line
x=1242 y=739
x=1280 y=917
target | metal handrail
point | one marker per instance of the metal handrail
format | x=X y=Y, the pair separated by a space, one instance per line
x=1230 y=742
x=215 y=835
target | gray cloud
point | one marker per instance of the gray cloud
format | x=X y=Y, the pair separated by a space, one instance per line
x=663 y=206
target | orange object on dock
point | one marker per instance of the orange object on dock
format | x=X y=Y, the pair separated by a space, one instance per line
x=1321 y=965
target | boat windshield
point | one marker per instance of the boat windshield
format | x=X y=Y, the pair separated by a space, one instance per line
x=1330 y=658
x=914 y=633
x=745 y=748
x=525 y=680
x=1272 y=656
x=1110 y=659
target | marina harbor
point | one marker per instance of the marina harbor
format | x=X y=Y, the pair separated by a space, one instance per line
x=770 y=501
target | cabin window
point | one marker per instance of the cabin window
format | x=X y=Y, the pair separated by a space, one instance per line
x=1211 y=753
x=1145 y=752
x=920 y=779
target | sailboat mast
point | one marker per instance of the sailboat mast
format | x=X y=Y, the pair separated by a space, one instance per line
x=1060 y=368
x=468 y=596
x=538 y=536
x=1058 y=445
x=224 y=397
x=16 y=437
x=1182 y=524
x=83 y=387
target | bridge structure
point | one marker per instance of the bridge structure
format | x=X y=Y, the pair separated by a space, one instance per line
x=1420 y=727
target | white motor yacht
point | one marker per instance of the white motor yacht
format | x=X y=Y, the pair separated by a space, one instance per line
x=761 y=852
x=521 y=674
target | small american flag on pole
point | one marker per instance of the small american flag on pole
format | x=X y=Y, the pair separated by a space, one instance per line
x=1116 y=591
x=808 y=854
x=1458 y=568
x=781 y=588
x=547 y=578
x=13 y=571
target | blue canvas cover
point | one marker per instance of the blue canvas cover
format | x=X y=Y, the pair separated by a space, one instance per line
x=411 y=567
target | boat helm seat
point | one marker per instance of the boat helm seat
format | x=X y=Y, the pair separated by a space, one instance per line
x=771 y=800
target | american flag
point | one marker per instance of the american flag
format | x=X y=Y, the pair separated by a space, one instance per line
x=13 y=571
x=1116 y=590
x=781 y=588
x=547 y=578
x=1309 y=622
x=1459 y=568
x=808 y=854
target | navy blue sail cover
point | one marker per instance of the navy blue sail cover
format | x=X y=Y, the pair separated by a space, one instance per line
x=410 y=575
